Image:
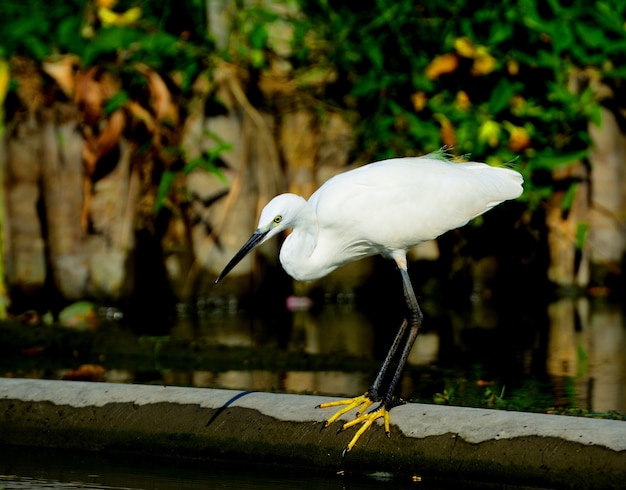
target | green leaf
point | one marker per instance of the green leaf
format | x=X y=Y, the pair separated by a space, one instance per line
x=608 y=17
x=161 y=41
x=374 y=53
x=208 y=161
x=69 y=37
x=115 y=102
x=257 y=57
x=38 y=49
x=371 y=83
x=617 y=72
x=110 y=41
x=549 y=160
x=167 y=179
x=501 y=95
x=582 y=229
x=594 y=112
x=568 y=199
x=258 y=36
x=591 y=36
x=425 y=132
x=547 y=59
x=500 y=32
x=561 y=36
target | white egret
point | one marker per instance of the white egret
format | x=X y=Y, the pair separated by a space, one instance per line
x=383 y=208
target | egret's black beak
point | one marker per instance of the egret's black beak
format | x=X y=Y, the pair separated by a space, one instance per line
x=252 y=242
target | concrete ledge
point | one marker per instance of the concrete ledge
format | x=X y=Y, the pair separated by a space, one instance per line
x=428 y=441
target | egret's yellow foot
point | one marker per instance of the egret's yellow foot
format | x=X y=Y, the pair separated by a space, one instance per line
x=366 y=419
x=350 y=404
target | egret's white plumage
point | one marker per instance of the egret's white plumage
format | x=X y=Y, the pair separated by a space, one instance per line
x=382 y=208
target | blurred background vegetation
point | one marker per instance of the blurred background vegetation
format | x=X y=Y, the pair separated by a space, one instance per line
x=142 y=137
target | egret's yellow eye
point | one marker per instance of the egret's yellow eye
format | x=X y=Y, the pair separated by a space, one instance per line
x=278 y=219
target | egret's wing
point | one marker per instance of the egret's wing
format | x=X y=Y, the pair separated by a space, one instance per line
x=402 y=202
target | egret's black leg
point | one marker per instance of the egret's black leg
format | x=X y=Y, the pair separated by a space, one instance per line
x=406 y=336
x=414 y=322
x=374 y=389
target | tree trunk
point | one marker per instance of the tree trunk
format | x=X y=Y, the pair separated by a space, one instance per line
x=607 y=235
x=62 y=172
x=25 y=247
x=44 y=204
x=569 y=263
x=113 y=211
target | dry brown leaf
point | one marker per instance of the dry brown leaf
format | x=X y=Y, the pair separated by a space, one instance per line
x=162 y=104
x=97 y=146
x=225 y=71
x=109 y=137
x=142 y=114
x=272 y=86
x=109 y=84
x=93 y=88
x=63 y=71
x=90 y=372
x=89 y=95
x=90 y=152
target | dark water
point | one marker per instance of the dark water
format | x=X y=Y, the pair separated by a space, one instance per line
x=26 y=468
x=21 y=469
x=566 y=357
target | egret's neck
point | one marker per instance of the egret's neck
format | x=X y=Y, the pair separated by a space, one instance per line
x=296 y=252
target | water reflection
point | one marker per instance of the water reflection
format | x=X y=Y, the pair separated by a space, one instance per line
x=571 y=357
x=587 y=344
x=607 y=362
x=569 y=354
x=339 y=330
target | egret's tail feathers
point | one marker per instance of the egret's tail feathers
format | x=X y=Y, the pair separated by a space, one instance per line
x=508 y=183
x=500 y=183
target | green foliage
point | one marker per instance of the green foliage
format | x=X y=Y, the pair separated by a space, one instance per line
x=491 y=79
x=444 y=398
x=531 y=395
x=494 y=81
x=207 y=161
x=251 y=36
x=33 y=28
x=166 y=36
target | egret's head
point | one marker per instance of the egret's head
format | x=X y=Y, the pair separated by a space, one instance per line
x=279 y=214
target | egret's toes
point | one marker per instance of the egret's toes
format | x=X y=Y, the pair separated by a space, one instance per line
x=363 y=417
x=366 y=421
x=348 y=404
